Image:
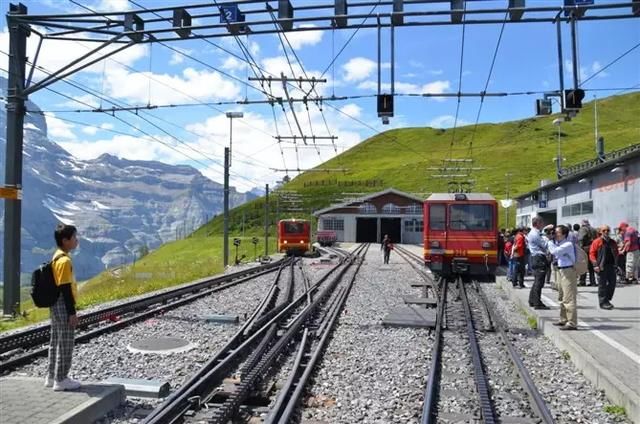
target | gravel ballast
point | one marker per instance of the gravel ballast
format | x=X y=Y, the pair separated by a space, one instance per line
x=368 y=373
x=570 y=397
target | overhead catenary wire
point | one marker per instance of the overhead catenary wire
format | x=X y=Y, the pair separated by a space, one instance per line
x=486 y=85
x=610 y=64
x=152 y=138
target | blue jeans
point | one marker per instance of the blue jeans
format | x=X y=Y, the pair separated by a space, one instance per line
x=511 y=270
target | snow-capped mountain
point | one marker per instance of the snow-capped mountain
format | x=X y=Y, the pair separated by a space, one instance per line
x=118 y=205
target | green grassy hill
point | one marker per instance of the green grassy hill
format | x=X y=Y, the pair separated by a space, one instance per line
x=397 y=158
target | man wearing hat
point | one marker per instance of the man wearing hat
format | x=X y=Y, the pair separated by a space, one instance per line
x=586 y=236
x=632 y=250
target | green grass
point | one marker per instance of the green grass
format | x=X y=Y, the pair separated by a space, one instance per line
x=400 y=158
x=565 y=355
x=616 y=410
x=533 y=322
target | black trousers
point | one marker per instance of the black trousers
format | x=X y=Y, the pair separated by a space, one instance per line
x=387 y=252
x=518 y=279
x=592 y=274
x=606 y=283
x=539 y=265
x=547 y=273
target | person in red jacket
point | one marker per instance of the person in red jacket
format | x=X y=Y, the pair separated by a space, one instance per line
x=518 y=253
x=603 y=255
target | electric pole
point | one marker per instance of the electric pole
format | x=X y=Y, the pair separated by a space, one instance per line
x=225 y=242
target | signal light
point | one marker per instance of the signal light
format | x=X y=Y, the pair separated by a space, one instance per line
x=573 y=99
x=543 y=107
x=385 y=105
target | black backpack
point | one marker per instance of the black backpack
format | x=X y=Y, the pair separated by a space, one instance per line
x=44 y=290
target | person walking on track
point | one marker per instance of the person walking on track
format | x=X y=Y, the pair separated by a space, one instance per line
x=386 y=247
x=63 y=312
x=538 y=249
x=564 y=252
x=603 y=255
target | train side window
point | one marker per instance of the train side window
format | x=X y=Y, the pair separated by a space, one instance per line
x=436 y=217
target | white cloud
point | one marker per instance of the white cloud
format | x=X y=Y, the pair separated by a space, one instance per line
x=352 y=109
x=299 y=39
x=585 y=71
x=165 y=88
x=436 y=72
x=233 y=64
x=358 y=69
x=177 y=58
x=56 y=54
x=87 y=99
x=90 y=130
x=446 y=121
x=57 y=129
x=111 y=6
x=435 y=87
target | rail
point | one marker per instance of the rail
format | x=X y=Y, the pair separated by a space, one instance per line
x=40 y=335
x=194 y=394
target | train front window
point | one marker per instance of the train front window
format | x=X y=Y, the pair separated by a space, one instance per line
x=471 y=217
x=436 y=217
x=294 y=227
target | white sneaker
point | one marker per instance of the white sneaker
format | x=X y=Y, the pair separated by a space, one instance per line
x=48 y=382
x=66 y=384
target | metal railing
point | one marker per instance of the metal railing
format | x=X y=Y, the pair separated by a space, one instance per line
x=591 y=163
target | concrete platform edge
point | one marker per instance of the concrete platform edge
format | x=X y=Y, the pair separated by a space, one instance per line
x=615 y=390
x=89 y=412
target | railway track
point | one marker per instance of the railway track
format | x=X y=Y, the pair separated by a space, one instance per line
x=463 y=318
x=255 y=350
x=23 y=346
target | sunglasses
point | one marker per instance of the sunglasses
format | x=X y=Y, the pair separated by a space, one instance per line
x=605 y=231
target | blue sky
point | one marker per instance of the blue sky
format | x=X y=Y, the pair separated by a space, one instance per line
x=427 y=60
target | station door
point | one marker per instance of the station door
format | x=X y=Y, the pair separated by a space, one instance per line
x=366 y=230
x=392 y=227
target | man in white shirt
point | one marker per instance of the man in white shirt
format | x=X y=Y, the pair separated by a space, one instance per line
x=564 y=252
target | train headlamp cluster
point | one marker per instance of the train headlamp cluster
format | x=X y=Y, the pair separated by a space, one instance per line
x=486 y=245
x=435 y=244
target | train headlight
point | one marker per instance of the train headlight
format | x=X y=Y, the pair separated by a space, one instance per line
x=301 y=241
x=435 y=244
x=285 y=242
x=486 y=245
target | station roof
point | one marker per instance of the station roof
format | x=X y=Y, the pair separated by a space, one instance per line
x=363 y=199
x=451 y=196
x=591 y=168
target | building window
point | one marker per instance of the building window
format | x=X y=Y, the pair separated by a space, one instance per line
x=418 y=225
x=367 y=208
x=408 y=226
x=577 y=209
x=333 y=224
x=436 y=217
x=391 y=208
x=414 y=209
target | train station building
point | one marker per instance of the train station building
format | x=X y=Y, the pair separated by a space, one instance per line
x=368 y=218
x=604 y=190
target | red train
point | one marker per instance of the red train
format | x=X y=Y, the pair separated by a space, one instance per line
x=294 y=236
x=461 y=234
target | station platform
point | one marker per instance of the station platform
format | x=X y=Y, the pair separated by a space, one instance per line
x=26 y=400
x=606 y=347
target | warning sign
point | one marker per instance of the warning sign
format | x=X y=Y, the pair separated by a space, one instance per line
x=10 y=193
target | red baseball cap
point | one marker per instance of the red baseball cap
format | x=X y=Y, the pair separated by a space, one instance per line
x=623 y=225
